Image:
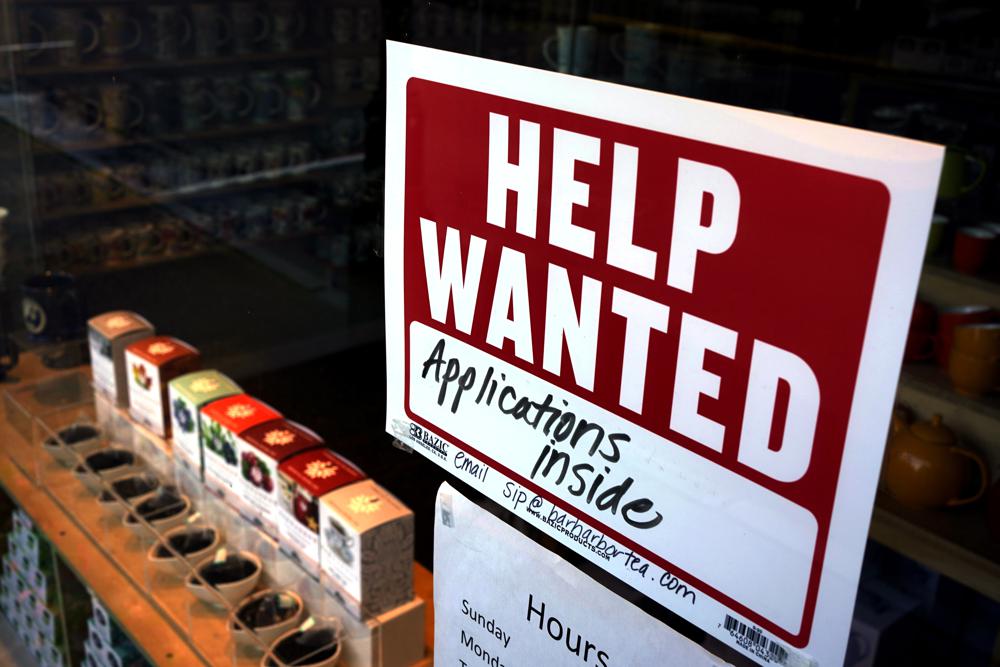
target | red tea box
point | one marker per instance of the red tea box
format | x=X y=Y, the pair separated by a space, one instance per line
x=261 y=449
x=109 y=334
x=222 y=424
x=152 y=363
x=304 y=479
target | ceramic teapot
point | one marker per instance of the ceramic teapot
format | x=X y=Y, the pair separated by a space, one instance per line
x=926 y=469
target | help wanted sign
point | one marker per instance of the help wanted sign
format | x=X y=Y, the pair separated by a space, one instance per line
x=664 y=331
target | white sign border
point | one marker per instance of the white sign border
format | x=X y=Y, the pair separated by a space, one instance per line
x=908 y=169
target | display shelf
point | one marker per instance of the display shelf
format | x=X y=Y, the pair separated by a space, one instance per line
x=856 y=65
x=115 y=143
x=104 y=67
x=271 y=178
x=201 y=628
x=957 y=543
x=943 y=286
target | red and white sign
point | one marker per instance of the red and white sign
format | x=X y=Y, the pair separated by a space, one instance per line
x=665 y=331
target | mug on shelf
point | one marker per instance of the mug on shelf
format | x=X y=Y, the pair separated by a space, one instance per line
x=302 y=92
x=197 y=104
x=169 y=31
x=115 y=37
x=572 y=50
x=121 y=110
x=640 y=56
x=288 y=24
x=233 y=96
x=961 y=173
x=920 y=342
x=76 y=35
x=213 y=30
x=269 y=97
x=51 y=307
x=951 y=318
x=972 y=248
x=251 y=27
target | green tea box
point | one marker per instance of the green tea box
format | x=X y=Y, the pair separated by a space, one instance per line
x=304 y=479
x=152 y=363
x=261 y=450
x=366 y=552
x=222 y=424
x=187 y=395
x=109 y=334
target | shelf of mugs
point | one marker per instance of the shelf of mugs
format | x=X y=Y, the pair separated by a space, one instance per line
x=269 y=178
x=958 y=543
x=111 y=142
x=940 y=284
x=188 y=592
x=103 y=67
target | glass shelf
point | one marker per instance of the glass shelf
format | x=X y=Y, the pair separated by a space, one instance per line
x=40 y=411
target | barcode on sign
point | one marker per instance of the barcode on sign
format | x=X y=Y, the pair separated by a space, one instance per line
x=755 y=636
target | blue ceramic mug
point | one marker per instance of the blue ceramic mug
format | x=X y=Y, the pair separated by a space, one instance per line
x=51 y=307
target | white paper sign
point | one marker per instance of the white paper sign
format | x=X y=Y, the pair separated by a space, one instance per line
x=500 y=600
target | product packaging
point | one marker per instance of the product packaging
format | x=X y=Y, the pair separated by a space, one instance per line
x=152 y=363
x=187 y=394
x=222 y=424
x=261 y=449
x=109 y=334
x=304 y=479
x=367 y=548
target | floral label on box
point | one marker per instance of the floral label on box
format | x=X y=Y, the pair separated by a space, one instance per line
x=219 y=448
x=144 y=393
x=298 y=524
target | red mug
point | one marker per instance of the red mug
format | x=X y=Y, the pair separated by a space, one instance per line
x=949 y=318
x=972 y=248
x=920 y=343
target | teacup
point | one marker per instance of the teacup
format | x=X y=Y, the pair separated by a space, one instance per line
x=163 y=511
x=192 y=544
x=971 y=375
x=978 y=340
x=268 y=615
x=318 y=646
x=950 y=318
x=229 y=579
x=106 y=465
x=972 y=249
x=128 y=492
x=72 y=441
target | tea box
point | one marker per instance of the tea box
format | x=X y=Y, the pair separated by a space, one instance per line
x=304 y=479
x=152 y=363
x=222 y=424
x=187 y=394
x=366 y=548
x=261 y=449
x=109 y=334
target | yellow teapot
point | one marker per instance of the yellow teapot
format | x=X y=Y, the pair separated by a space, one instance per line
x=925 y=468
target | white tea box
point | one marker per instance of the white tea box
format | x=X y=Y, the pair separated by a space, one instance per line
x=109 y=334
x=261 y=450
x=152 y=363
x=187 y=395
x=366 y=548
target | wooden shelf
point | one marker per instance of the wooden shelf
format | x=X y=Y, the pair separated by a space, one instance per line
x=957 y=543
x=104 y=67
x=944 y=286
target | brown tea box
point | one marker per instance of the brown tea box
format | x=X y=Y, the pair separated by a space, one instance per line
x=152 y=363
